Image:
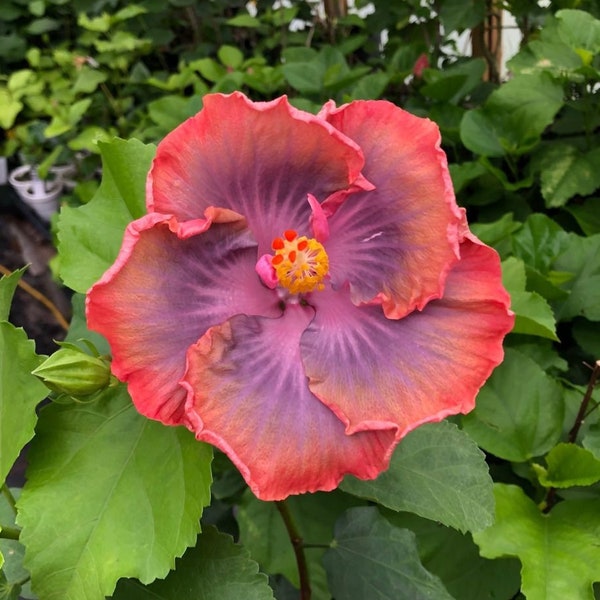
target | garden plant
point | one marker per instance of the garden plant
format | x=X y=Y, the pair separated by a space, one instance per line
x=335 y=286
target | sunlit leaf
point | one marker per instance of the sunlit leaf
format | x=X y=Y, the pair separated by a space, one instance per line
x=90 y=236
x=559 y=551
x=568 y=465
x=134 y=489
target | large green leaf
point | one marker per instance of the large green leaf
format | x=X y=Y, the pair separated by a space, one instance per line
x=437 y=472
x=90 y=236
x=513 y=117
x=134 y=489
x=454 y=558
x=539 y=241
x=216 y=569
x=262 y=531
x=559 y=551
x=20 y=393
x=519 y=411
x=567 y=172
x=582 y=259
x=533 y=315
x=373 y=559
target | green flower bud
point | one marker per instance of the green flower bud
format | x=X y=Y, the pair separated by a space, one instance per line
x=71 y=371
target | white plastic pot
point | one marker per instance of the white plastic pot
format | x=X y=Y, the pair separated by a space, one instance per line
x=41 y=195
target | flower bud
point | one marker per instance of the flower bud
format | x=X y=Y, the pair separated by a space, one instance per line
x=72 y=371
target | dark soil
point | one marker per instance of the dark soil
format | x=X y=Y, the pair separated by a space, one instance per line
x=25 y=240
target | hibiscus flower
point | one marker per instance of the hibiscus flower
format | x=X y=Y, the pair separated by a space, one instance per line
x=304 y=290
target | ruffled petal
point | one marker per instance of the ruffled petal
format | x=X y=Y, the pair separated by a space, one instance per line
x=249 y=397
x=375 y=372
x=260 y=159
x=397 y=242
x=169 y=284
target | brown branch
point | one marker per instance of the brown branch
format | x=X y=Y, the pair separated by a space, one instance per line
x=40 y=297
x=297 y=544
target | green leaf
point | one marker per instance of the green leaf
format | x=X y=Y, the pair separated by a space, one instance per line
x=582 y=259
x=455 y=559
x=568 y=465
x=89 y=237
x=230 y=56
x=20 y=393
x=481 y=134
x=262 y=531
x=587 y=215
x=578 y=29
x=306 y=77
x=8 y=285
x=437 y=472
x=519 y=411
x=559 y=551
x=498 y=233
x=458 y=15
x=373 y=559
x=243 y=21
x=533 y=314
x=567 y=172
x=135 y=491
x=216 y=569
x=539 y=242
x=513 y=117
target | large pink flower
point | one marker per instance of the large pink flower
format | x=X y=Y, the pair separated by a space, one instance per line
x=303 y=291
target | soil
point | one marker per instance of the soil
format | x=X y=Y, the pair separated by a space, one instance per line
x=26 y=240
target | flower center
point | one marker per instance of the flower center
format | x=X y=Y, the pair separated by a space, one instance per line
x=300 y=263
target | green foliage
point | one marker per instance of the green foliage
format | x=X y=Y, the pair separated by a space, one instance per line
x=113 y=499
x=215 y=569
x=20 y=391
x=139 y=507
x=90 y=236
x=558 y=551
x=368 y=549
x=436 y=472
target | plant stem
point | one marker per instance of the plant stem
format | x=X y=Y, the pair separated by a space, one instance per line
x=550 y=499
x=9 y=498
x=584 y=403
x=40 y=297
x=297 y=544
x=9 y=533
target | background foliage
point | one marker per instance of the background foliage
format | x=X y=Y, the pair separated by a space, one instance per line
x=503 y=503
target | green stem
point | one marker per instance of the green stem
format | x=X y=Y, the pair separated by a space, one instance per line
x=9 y=533
x=298 y=546
x=9 y=498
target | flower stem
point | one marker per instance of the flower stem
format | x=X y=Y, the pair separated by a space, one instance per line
x=41 y=298
x=297 y=544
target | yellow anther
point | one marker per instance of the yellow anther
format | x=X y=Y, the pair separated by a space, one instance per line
x=300 y=263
